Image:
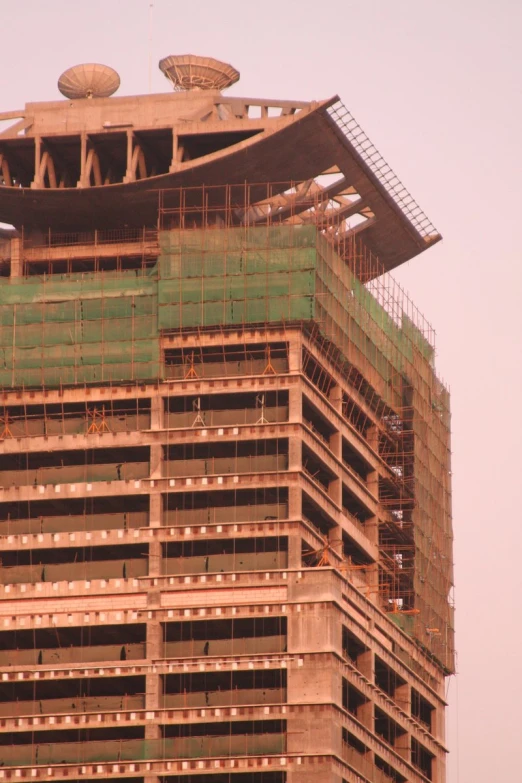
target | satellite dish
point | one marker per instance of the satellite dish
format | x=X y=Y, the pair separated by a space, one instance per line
x=89 y=80
x=189 y=72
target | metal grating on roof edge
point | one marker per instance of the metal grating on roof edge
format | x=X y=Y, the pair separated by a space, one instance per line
x=384 y=173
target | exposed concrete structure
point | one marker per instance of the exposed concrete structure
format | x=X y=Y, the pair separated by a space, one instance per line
x=225 y=509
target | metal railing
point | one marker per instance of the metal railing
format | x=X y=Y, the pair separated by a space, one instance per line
x=384 y=173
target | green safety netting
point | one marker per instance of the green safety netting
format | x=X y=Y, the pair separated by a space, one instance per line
x=106 y=327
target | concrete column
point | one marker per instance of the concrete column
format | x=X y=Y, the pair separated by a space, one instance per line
x=177 y=152
x=294 y=453
x=155 y=561
x=372 y=437
x=372 y=479
x=294 y=552
x=313 y=631
x=156 y=412
x=152 y=679
x=402 y=746
x=402 y=697
x=365 y=714
x=438 y=724
x=82 y=182
x=335 y=539
x=336 y=444
x=335 y=491
x=295 y=405
x=294 y=353
x=438 y=768
x=366 y=665
x=37 y=182
x=295 y=503
x=155 y=509
x=314 y=683
x=371 y=529
x=156 y=460
x=129 y=176
x=17 y=267
x=336 y=398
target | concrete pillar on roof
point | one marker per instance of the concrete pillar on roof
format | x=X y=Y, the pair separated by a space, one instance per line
x=37 y=181
x=17 y=266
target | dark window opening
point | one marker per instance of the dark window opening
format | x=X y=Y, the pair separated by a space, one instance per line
x=226 y=457
x=386 y=679
x=387 y=728
x=68 y=555
x=353 y=552
x=71 y=735
x=207 y=682
x=355 y=415
x=77 y=418
x=226 y=360
x=246 y=448
x=353 y=460
x=352 y=698
x=96 y=265
x=353 y=648
x=226 y=409
x=225 y=506
x=74 y=514
x=75 y=645
x=62 y=688
x=70 y=563
x=50 y=638
x=317 y=374
x=227 y=728
x=41 y=459
x=316 y=469
x=243 y=627
x=316 y=422
x=389 y=771
x=421 y=709
x=352 y=742
x=421 y=758
x=225 y=637
x=353 y=506
x=316 y=516
x=222 y=555
x=72 y=696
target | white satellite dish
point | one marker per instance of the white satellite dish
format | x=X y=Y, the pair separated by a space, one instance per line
x=88 y=80
x=189 y=72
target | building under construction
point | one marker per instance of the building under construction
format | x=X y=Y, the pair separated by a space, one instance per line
x=225 y=507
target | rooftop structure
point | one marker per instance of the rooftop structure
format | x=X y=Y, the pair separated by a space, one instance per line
x=225 y=517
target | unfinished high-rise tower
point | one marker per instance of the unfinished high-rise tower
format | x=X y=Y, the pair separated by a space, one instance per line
x=225 y=510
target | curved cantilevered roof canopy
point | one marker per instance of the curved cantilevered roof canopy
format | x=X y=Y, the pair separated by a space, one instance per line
x=320 y=138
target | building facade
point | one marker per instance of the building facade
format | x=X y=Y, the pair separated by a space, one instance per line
x=225 y=508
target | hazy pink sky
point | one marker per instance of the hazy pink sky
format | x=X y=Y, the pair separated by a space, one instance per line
x=436 y=84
